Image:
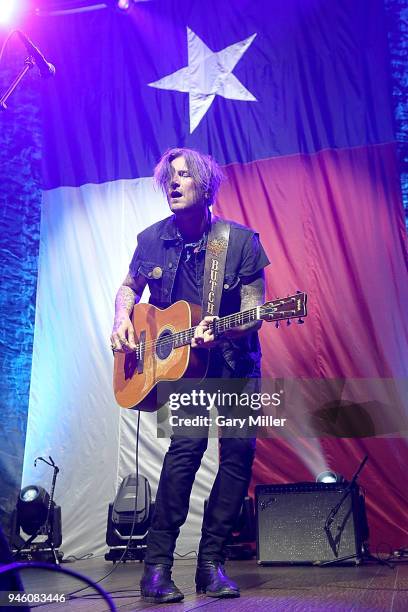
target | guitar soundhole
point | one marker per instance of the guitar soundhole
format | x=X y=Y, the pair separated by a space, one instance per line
x=164 y=344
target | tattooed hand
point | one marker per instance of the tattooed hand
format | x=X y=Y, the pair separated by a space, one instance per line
x=123 y=334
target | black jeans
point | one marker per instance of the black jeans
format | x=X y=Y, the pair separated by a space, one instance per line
x=180 y=465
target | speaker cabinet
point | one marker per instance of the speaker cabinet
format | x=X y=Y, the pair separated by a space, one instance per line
x=290 y=524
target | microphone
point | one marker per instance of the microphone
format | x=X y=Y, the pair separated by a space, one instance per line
x=46 y=69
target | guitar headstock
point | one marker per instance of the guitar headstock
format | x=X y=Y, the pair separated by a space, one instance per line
x=285 y=308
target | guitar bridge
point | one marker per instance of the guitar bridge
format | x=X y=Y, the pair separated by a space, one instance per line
x=142 y=346
x=134 y=362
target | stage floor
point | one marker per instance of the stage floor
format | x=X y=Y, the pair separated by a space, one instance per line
x=300 y=588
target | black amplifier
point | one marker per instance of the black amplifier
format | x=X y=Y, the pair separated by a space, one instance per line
x=291 y=524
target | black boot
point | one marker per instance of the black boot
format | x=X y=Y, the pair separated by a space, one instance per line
x=212 y=580
x=156 y=585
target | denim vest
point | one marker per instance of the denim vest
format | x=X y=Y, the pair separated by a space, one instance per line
x=157 y=257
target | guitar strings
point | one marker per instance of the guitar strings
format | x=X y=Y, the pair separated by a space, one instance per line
x=224 y=323
x=189 y=333
x=247 y=316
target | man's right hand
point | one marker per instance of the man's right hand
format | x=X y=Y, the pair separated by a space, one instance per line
x=123 y=336
x=129 y=294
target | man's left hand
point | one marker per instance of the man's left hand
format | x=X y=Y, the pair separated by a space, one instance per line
x=204 y=334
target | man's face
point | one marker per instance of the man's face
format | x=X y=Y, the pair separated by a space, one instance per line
x=183 y=194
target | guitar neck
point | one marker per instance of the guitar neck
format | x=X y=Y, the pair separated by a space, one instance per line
x=221 y=325
x=276 y=310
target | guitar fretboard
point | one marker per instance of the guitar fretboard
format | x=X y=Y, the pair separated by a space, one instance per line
x=221 y=325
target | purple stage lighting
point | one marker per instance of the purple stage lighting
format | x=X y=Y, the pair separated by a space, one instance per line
x=124 y=5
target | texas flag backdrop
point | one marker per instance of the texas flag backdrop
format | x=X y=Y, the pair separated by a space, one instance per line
x=292 y=97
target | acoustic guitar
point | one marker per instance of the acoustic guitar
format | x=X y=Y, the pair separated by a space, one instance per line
x=163 y=350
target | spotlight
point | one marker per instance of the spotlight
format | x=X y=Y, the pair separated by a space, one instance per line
x=8 y=11
x=329 y=476
x=124 y=5
x=32 y=508
x=35 y=516
x=122 y=515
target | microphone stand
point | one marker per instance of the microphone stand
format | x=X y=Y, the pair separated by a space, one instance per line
x=331 y=516
x=333 y=512
x=28 y=64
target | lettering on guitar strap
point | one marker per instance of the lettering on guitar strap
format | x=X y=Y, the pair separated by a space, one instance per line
x=213 y=285
x=214 y=270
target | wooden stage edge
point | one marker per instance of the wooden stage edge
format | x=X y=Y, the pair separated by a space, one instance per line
x=287 y=588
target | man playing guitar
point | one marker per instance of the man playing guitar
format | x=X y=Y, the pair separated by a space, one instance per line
x=170 y=258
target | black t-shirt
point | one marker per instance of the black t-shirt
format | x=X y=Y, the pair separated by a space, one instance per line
x=187 y=284
x=188 y=281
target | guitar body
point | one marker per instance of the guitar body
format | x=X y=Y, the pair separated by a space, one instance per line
x=163 y=350
x=134 y=378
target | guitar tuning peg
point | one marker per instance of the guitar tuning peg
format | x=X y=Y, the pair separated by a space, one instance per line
x=277 y=324
x=300 y=321
x=288 y=322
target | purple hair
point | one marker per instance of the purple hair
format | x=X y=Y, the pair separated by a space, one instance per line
x=205 y=171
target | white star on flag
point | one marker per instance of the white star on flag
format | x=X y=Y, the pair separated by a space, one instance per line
x=208 y=73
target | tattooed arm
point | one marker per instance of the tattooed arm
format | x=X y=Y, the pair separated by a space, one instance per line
x=252 y=294
x=129 y=294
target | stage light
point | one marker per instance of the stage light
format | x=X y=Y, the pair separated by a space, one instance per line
x=121 y=516
x=329 y=476
x=32 y=508
x=124 y=5
x=29 y=494
x=36 y=517
x=8 y=10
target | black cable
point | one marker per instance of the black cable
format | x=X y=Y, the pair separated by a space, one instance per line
x=116 y=565
x=190 y=552
x=57 y=568
x=113 y=594
x=72 y=558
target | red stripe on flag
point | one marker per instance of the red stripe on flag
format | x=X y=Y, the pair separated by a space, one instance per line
x=332 y=225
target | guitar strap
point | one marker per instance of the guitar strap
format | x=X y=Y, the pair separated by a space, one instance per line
x=214 y=269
